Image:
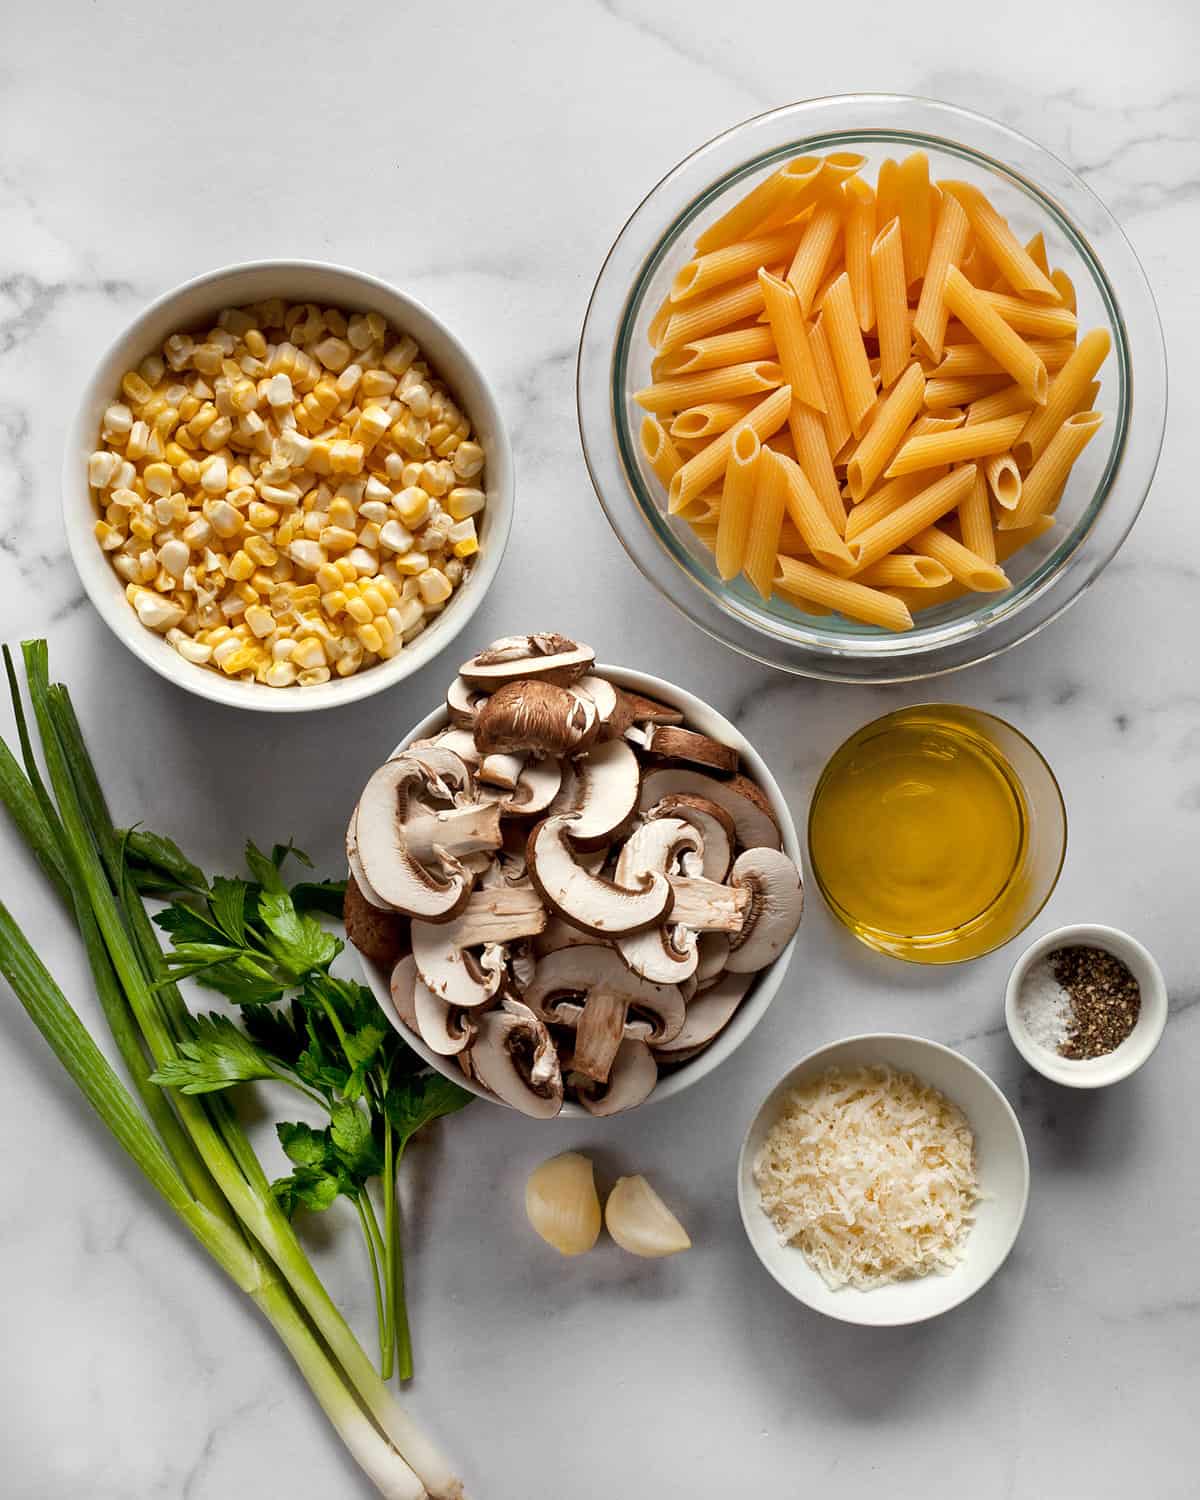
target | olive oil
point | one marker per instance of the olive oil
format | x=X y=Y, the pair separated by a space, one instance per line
x=918 y=834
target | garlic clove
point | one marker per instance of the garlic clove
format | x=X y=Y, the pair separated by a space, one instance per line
x=562 y=1204
x=641 y=1222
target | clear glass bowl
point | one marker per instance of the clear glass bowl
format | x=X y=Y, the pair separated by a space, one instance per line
x=1035 y=191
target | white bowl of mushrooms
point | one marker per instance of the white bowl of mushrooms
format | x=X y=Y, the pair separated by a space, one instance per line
x=573 y=887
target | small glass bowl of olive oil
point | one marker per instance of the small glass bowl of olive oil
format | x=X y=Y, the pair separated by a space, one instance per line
x=937 y=833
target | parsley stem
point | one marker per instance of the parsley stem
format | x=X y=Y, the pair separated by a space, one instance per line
x=400 y=1300
x=362 y=1203
x=390 y=1250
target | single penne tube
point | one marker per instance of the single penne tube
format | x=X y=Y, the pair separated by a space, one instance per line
x=1065 y=288
x=975 y=520
x=942 y=421
x=849 y=353
x=790 y=540
x=837 y=423
x=682 y=391
x=808 y=516
x=811 y=445
x=658 y=323
x=711 y=314
x=1065 y=390
x=900 y=570
x=857 y=238
x=766 y=521
x=887 y=192
x=706 y=532
x=836 y=169
x=798 y=602
x=961 y=390
x=790 y=335
x=1032 y=319
x=1007 y=543
x=979 y=575
x=996 y=336
x=710 y=418
x=832 y=272
x=915 y=214
x=1035 y=248
x=949 y=244
x=1010 y=542
x=781 y=441
x=732 y=263
x=784 y=188
x=887 y=498
x=702 y=511
x=1003 y=479
x=891 y=301
x=1043 y=484
x=738 y=347
x=1001 y=245
x=661 y=453
x=813 y=253
x=850 y=598
x=978 y=441
x=707 y=466
x=961 y=360
x=1006 y=402
x=924 y=509
x=895 y=414
x=737 y=501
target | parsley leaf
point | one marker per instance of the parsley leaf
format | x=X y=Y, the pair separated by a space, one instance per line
x=186 y=925
x=162 y=860
x=216 y=1056
x=307 y=1187
x=264 y=870
x=326 y=896
x=299 y=943
x=417 y=1101
x=227 y=902
x=302 y=1144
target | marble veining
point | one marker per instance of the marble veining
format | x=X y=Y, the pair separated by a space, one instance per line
x=484 y=158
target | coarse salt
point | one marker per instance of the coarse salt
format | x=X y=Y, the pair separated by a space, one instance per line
x=1044 y=1006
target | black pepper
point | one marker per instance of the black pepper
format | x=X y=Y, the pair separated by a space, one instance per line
x=1105 y=1000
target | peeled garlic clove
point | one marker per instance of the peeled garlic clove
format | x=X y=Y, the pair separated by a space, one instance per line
x=641 y=1222
x=561 y=1201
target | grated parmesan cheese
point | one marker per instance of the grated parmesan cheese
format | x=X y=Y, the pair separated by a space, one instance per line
x=871 y=1173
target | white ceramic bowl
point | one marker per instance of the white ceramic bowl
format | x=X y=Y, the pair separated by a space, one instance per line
x=196 y=303
x=707 y=720
x=1092 y=1072
x=1003 y=1165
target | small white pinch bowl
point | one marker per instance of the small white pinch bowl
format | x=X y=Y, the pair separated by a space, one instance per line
x=1092 y=1072
x=697 y=715
x=1003 y=1167
x=195 y=304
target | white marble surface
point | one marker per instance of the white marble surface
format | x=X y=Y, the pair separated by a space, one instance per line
x=484 y=156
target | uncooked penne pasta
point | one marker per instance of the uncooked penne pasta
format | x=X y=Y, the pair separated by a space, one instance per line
x=658 y=323
x=996 y=336
x=837 y=422
x=682 y=391
x=1007 y=543
x=961 y=360
x=1031 y=319
x=924 y=509
x=709 y=464
x=857 y=237
x=728 y=304
x=812 y=255
x=1044 y=483
x=846 y=596
x=949 y=243
x=849 y=353
x=1003 y=479
x=976 y=572
x=788 y=331
x=1065 y=389
x=975 y=520
x=737 y=502
x=891 y=301
x=887 y=498
x=832 y=272
x=1005 y=402
x=808 y=516
x=887 y=192
x=661 y=453
x=786 y=188
x=738 y=347
x=766 y=521
x=915 y=214
x=835 y=169
x=901 y=570
x=1001 y=245
x=895 y=414
x=961 y=390
x=1035 y=248
x=812 y=453
x=732 y=263
x=979 y=440
x=1065 y=288
x=710 y=418
x=942 y=421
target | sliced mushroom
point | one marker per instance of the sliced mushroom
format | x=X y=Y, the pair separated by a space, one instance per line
x=777 y=903
x=381 y=936
x=398 y=848
x=536 y=788
x=686 y=747
x=655 y=848
x=591 y=991
x=459 y=741
x=502 y=770
x=601 y=789
x=559 y=934
x=714 y=825
x=454 y=973
x=633 y=708
x=753 y=820
x=357 y=873
x=514 y=1057
x=708 y=1014
x=707 y=906
x=631 y=1081
x=590 y=901
x=402 y=987
x=445 y=1029
x=550 y=658
x=535 y=717
x=712 y=956
x=463 y=702
x=667 y=954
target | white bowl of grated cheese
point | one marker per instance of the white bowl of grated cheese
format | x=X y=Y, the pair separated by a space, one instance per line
x=892 y=1148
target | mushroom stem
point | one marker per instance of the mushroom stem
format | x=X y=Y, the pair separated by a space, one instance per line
x=599 y=1032
x=706 y=905
x=457 y=831
x=496 y=914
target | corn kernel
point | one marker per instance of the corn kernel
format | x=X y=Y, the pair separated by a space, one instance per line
x=225 y=520
x=102 y=469
x=337 y=539
x=309 y=653
x=108 y=536
x=133 y=386
x=308 y=554
x=280 y=674
x=358 y=609
x=314 y=677
x=412 y=506
x=260 y=620
x=462 y=503
x=434 y=586
x=369 y=638
x=261 y=551
x=333 y=603
x=241 y=565
x=412 y=563
x=216 y=435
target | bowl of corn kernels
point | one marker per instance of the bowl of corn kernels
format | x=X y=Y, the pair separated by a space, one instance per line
x=287 y=486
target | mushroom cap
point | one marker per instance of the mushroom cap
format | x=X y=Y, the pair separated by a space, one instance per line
x=463 y=702
x=513 y=1056
x=714 y=825
x=368 y=893
x=707 y=1015
x=776 y=906
x=635 y=708
x=605 y=696
x=754 y=822
x=444 y=1028
x=402 y=986
x=390 y=867
x=601 y=789
x=457 y=740
x=589 y=901
x=573 y=973
x=552 y=658
x=655 y=847
x=686 y=747
x=381 y=936
x=536 y=717
x=634 y=1074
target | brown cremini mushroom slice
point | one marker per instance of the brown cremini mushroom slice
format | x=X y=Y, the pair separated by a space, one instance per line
x=357 y=874
x=559 y=934
x=667 y=954
x=445 y=1029
x=535 y=717
x=776 y=906
x=547 y=657
x=753 y=821
x=707 y=905
x=402 y=986
x=714 y=826
x=605 y=696
x=713 y=955
x=457 y=740
x=686 y=747
x=381 y=936
x=514 y=1057
x=601 y=790
x=463 y=702
x=707 y=1015
x=633 y=708
x=631 y=1081
x=492 y=917
x=590 y=901
x=590 y=990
